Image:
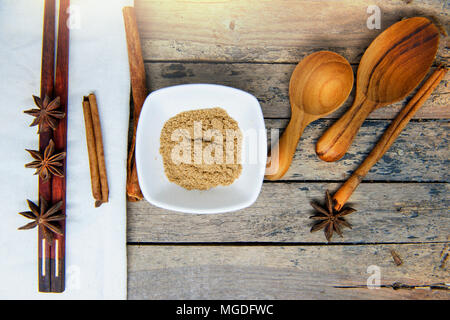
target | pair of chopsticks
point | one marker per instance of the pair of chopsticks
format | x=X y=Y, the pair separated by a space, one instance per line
x=54 y=83
x=389 y=136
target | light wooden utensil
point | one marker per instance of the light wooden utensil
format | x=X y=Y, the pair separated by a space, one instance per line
x=393 y=65
x=319 y=85
x=388 y=138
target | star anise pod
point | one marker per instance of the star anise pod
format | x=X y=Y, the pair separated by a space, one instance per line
x=44 y=217
x=329 y=219
x=46 y=116
x=47 y=163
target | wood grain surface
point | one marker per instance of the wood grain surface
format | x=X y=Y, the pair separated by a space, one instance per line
x=284 y=272
x=269 y=31
x=387 y=213
x=420 y=153
x=270 y=83
x=266 y=251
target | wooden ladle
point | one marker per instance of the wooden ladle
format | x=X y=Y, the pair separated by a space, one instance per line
x=393 y=65
x=319 y=85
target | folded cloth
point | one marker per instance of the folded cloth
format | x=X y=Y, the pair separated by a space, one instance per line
x=98 y=62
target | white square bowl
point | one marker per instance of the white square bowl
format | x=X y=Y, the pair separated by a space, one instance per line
x=168 y=102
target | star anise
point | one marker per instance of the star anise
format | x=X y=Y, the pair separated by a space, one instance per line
x=44 y=217
x=329 y=219
x=47 y=163
x=46 y=116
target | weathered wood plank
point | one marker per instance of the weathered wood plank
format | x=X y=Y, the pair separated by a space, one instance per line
x=420 y=153
x=292 y=272
x=266 y=39
x=402 y=212
x=270 y=83
x=268 y=31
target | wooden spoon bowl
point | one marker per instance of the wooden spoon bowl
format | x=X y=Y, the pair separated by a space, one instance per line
x=319 y=85
x=393 y=65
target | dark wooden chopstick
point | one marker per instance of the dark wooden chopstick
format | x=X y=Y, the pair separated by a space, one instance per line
x=60 y=138
x=53 y=84
x=47 y=83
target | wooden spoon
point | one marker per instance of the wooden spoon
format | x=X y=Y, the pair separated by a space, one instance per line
x=393 y=65
x=319 y=85
x=388 y=138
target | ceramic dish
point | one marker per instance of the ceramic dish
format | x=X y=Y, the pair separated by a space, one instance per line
x=168 y=102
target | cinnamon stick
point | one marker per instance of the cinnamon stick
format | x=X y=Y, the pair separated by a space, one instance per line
x=94 y=140
x=389 y=136
x=99 y=147
x=139 y=93
x=92 y=153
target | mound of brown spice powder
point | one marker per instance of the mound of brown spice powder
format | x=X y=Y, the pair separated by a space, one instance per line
x=201 y=149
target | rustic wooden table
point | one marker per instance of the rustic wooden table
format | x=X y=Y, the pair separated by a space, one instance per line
x=267 y=251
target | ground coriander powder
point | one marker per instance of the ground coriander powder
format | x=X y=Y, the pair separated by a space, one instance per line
x=201 y=149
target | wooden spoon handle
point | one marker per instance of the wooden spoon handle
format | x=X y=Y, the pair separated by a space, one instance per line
x=335 y=142
x=389 y=136
x=283 y=152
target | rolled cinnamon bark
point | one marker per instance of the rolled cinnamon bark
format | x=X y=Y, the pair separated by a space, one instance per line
x=93 y=161
x=99 y=147
x=139 y=92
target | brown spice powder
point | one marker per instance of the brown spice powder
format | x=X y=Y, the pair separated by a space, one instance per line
x=201 y=149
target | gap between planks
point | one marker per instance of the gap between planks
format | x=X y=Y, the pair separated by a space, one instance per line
x=220 y=62
x=362 y=182
x=275 y=243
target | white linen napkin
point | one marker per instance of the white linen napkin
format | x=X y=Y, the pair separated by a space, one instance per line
x=98 y=62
